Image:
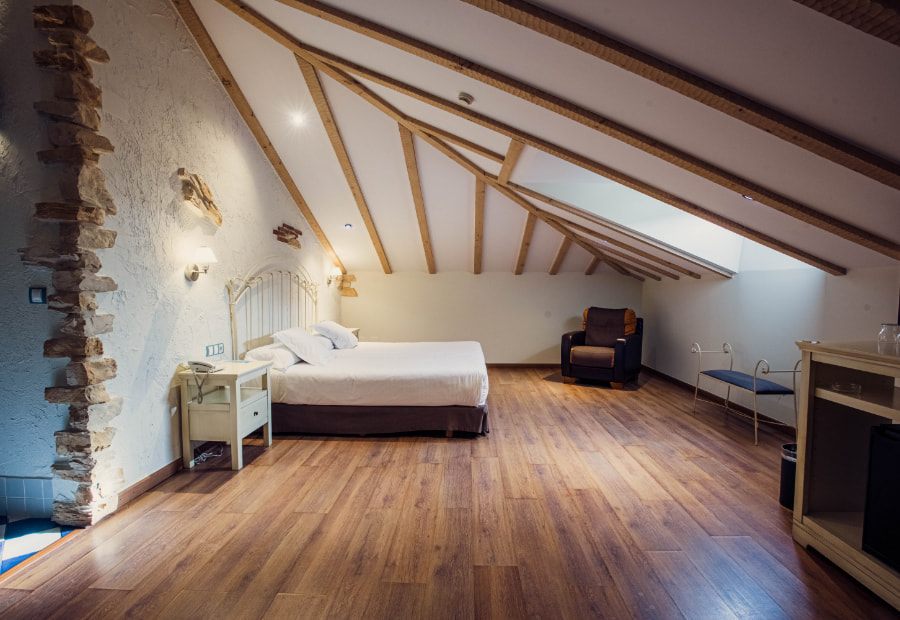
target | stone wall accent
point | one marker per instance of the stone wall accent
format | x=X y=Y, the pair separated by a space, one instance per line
x=289 y=235
x=78 y=215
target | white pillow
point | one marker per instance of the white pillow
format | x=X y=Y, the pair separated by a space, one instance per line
x=342 y=337
x=280 y=356
x=313 y=349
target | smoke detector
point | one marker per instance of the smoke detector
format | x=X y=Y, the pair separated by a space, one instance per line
x=465 y=98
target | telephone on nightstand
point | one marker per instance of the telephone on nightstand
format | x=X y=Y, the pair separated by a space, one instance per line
x=201 y=370
x=205 y=367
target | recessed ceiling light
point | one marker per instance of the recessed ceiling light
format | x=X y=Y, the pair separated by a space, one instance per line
x=297 y=119
x=747 y=197
x=465 y=98
x=348 y=226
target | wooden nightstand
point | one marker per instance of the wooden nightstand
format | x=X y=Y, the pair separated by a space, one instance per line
x=230 y=410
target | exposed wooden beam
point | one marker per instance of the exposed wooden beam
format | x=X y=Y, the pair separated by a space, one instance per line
x=622 y=270
x=452 y=138
x=480 y=187
x=592 y=266
x=628 y=135
x=565 y=227
x=543 y=216
x=340 y=150
x=512 y=158
x=625 y=267
x=639 y=237
x=879 y=18
x=283 y=37
x=205 y=42
x=560 y=255
x=695 y=87
x=635 y=262
x=527 y=235
x=609 y=240
x=412 y=171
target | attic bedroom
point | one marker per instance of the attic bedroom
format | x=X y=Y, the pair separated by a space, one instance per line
x=442 y=171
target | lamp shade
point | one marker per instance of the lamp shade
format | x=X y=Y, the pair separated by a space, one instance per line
x=205 y=256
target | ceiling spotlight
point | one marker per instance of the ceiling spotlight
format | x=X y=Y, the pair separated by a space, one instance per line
x=297 y=119
x=747 y=197
x=348 y=226
x=465 y=98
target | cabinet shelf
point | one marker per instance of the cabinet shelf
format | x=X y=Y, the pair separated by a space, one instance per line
x=846 y=526
x=222 y=396
x=884 y=403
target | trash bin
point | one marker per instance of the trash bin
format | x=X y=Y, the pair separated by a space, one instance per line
x=788 y=475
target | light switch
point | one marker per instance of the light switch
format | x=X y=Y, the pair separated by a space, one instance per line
x=37 y=295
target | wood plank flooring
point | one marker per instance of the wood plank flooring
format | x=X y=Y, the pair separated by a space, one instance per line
x=583 y=502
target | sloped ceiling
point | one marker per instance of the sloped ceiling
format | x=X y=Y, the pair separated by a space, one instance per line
x=590 y=121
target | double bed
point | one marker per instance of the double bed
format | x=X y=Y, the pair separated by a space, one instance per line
x=364 y=389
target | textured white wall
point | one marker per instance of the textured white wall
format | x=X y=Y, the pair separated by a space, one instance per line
x=762 y=314
x=23 y=327
x=517 y=319
x=163 y=109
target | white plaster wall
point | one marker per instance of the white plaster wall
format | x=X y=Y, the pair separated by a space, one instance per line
x=517 y=319
x=163 y=109
x=762 y=314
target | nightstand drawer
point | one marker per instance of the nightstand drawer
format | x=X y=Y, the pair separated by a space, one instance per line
x=253 y=414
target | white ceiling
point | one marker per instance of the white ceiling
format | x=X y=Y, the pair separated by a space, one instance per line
x=778 y=52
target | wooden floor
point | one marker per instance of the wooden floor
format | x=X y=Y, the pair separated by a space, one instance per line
x=583 y=502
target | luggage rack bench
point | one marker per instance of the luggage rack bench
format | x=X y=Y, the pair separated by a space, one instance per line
x=750 y=383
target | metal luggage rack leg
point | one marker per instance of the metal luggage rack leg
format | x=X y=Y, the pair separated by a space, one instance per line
x=731 y=378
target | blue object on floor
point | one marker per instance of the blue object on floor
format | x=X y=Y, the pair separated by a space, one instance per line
x=22 y=538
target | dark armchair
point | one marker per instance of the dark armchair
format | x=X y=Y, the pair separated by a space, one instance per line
x=608 y=348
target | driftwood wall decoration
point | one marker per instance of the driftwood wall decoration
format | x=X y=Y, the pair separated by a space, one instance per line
x=196 y=192
x=289 y=235
x=345 y=284
x=72 y=121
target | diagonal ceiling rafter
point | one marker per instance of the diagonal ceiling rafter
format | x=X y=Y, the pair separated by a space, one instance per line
x=772 y=121
x=200 y=34
x=637 y=237
x=284 y=38
x=879 y=18
x=693 y=86
x=415 y=185
x=340 y=150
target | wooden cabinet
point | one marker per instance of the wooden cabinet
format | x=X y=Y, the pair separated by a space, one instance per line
x=847 y=388
x=235 y=403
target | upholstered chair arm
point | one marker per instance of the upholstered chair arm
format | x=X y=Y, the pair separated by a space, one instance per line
x=569 y=340
x=631 y=349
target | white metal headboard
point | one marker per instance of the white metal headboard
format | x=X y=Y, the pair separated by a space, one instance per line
x=265 y=303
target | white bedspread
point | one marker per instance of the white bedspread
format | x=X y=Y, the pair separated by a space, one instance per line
x=389 y=373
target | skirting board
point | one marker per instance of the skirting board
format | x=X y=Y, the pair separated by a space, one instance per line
x=158 y=477
x=524 y=365
x=142 y=486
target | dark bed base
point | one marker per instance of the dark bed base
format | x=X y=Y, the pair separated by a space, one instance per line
x=346 y=420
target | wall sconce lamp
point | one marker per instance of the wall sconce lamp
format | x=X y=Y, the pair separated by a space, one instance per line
x=334 y=277
x=203 y=258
